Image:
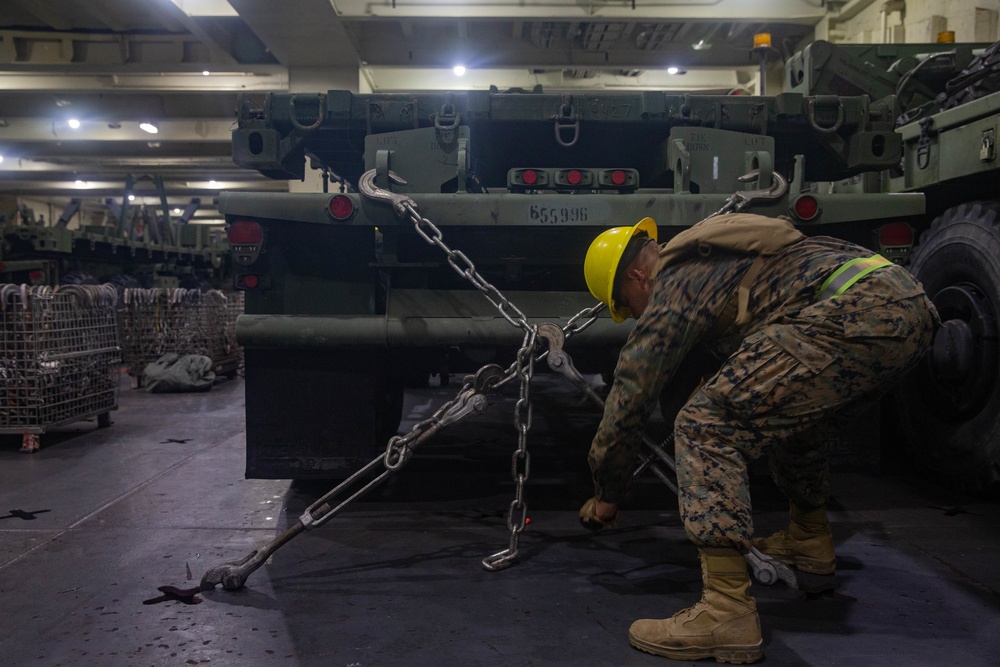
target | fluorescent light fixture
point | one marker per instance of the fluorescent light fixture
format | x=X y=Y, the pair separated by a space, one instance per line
x=672 y=70
x=212 y=184
x=459 y=70
x=149 y=127
x=1 y=158
x=205 y=7
x=205 y=72
x=177 y=211
x=80 y=183
x=74 y=123
x=131 y=197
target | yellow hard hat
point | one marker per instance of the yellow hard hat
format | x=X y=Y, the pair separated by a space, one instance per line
x=601 y=265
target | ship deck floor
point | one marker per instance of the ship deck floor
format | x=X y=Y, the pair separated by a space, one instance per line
x=99 y=518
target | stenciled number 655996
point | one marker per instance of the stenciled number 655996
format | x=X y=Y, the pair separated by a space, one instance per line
x=555 y=215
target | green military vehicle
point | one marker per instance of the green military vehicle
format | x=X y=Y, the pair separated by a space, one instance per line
x=949 y=119
x=348 y=303
x=131 y=246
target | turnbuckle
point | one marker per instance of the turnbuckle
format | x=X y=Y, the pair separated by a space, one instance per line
x=769 y=570
x=562 y=363
x=469 y=401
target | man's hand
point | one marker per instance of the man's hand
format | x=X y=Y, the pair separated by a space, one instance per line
x=597 y=514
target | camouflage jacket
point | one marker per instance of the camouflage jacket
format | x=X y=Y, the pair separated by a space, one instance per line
x=684 y=308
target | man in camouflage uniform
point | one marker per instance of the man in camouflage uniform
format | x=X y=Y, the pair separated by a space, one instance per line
x=818 y=335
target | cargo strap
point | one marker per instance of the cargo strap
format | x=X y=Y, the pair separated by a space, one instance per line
x=850 y=273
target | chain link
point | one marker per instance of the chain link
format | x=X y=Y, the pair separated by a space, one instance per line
x=520 y=465
x=398 y=451
x=523 y=368
x=430 y=233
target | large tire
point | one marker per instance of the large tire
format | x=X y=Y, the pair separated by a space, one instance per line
x=949 y=408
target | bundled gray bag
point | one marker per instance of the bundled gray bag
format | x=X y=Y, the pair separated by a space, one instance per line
x=175 y=373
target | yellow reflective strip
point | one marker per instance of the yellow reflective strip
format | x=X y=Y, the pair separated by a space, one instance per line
x=849 y=273
x=828 y=288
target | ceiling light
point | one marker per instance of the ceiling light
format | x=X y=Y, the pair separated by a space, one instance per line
x=205 y=7
x=204 y=72
x=1 y=158
x=152 y=128
x=131 y=197
x=212 y=184
x=177 y=211
x=74 y=123
x=701 y=45
x=672 y=70
x=79 y=182
x=459 y=70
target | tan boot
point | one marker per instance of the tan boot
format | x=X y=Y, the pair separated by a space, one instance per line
x=724 y=625
x=807 y=544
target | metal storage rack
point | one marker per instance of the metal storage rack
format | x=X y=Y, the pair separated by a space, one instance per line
x=157 y=320
x=60 y=356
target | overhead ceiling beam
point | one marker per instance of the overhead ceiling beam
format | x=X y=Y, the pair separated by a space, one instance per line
x=492 y=56
x=128 y=77
x=26 y=130
x=306 y=33
x=788 y=11
x=167 y=12
x=45 y=13
x=99 y=10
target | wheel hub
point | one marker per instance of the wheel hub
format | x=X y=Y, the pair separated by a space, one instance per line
x=963 y=358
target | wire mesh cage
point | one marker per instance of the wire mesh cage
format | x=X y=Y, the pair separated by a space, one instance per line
x=234 y=308
x=60 y=355
x=156 y=321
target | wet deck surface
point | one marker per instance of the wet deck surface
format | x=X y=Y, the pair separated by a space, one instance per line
x=95 y=521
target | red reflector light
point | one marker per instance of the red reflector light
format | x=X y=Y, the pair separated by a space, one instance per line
x=573 y=177
x=35 y=275
x=245 y=232
x=529 y=177
x=250 y=281
x=618 y=177
x=895 y=234
x=806 y=207
x=341 y=207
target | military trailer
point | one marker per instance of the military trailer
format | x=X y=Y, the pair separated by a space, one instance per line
x=948 y=414
x=347 y=303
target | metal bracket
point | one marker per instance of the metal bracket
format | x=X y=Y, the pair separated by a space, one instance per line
x=682 y=168
x=567 y=120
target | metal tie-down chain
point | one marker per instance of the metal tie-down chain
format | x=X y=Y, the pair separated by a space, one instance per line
x=517 y=514
x=520 y=463
x=471 y=399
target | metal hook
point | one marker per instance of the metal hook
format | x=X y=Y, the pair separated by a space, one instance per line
x=776 y=191
x=400 y=203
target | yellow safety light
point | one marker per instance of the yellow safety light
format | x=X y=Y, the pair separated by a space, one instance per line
x=761 y=39
x=946 y=37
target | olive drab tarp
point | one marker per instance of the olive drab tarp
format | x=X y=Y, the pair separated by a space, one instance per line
x=173 y=372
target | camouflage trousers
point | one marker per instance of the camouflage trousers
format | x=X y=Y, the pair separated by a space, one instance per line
x=779 y=395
